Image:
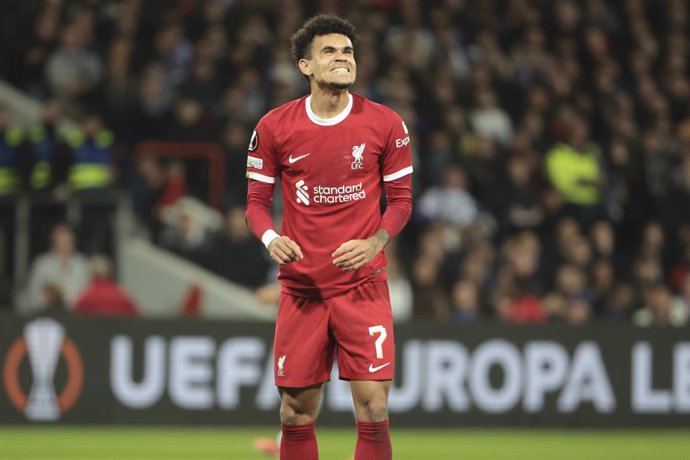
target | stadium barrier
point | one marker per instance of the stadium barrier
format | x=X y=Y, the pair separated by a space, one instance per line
x=161 y=283
x=109 y=371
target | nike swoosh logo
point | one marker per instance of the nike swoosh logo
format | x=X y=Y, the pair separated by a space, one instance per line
x=373 y=369
x=292 y=160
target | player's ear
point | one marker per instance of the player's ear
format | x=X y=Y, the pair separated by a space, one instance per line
x=304 y=67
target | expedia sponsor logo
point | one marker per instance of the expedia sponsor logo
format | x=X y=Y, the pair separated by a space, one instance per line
x=43 y=344
x=402 y=142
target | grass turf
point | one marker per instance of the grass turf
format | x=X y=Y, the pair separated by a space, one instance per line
x=144 y=443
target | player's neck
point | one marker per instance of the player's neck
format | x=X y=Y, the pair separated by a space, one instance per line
x=328 y=104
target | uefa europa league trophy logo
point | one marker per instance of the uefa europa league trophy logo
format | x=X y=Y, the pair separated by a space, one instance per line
x=43 y=342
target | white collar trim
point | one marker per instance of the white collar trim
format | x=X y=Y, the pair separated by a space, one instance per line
x=329 y=121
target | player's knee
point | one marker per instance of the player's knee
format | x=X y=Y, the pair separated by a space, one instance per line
x=374 y=410
x=378 y=411
x=292 y=413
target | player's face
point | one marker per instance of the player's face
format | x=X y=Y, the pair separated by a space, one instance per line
x=332 y=61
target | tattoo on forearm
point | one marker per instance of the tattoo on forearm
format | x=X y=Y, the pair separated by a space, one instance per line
x=381 y=237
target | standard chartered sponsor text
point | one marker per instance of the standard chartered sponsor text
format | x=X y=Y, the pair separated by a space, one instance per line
x=341 y=194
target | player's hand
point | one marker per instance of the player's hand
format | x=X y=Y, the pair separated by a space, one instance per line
x=355 y=254
x=283 y=250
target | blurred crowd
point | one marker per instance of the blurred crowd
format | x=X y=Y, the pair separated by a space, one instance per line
x=551 y=138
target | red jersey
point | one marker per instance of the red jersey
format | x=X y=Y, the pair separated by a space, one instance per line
x=332 y=174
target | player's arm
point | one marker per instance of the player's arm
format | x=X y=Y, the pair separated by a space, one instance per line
x=262 y=171
x=281 y=248
x=355 y=254
x=397 y=181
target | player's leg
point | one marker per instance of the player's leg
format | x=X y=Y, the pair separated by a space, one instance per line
x=371 y=410
x=370 y=398
x=303 y=352
x=271 y=446
x=363 y=327
x=299 y=406
x=298 y=410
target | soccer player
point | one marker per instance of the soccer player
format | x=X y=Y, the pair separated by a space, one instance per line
x=334 y=153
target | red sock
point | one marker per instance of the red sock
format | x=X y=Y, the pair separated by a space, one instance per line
x=299 y=442
x=373 y=441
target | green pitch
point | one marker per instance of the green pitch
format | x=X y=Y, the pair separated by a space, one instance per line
x=88 y=443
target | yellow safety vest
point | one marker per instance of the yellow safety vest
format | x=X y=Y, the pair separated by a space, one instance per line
x=89 y=175
x=9 y=177
x=41 y=172
x=572 y=173
x=9 y=181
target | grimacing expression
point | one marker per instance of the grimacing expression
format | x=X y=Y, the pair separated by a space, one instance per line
x=331 y=61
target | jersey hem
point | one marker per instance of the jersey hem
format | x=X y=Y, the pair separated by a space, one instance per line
x=325 y=294
x=364 y=377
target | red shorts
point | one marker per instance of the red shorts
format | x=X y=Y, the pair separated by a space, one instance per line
x=358 y=324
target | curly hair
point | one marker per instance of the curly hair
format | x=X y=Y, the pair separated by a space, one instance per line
x=322 y=24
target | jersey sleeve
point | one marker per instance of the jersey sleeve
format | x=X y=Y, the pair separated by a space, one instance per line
x=397 y=158
x=262 y=159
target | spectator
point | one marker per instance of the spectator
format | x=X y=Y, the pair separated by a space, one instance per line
x=74 y=71
x=30 y=52
x=575 y=172
x=603 y=240
x=184 y=234
x=399 y=287
x=659 y=309
x=46 y=172
x=63 y=266
x=11 y=139
x=514 y=306
x=489 y=120
x=450 y=201
x=52 y=299
x=120 y=87
x=201 y=85
x=619 y=303
x=430 y=300
x=237 y=256
x=175 y=51
x=570 y=290
x=103 y=296
x=466 y=301
x=146 y=187
x=151 y=118
x=602 y=281
x=516 y=202
x=578 y=311
x=92 y=161
x=173 y=188
x=682 y=300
